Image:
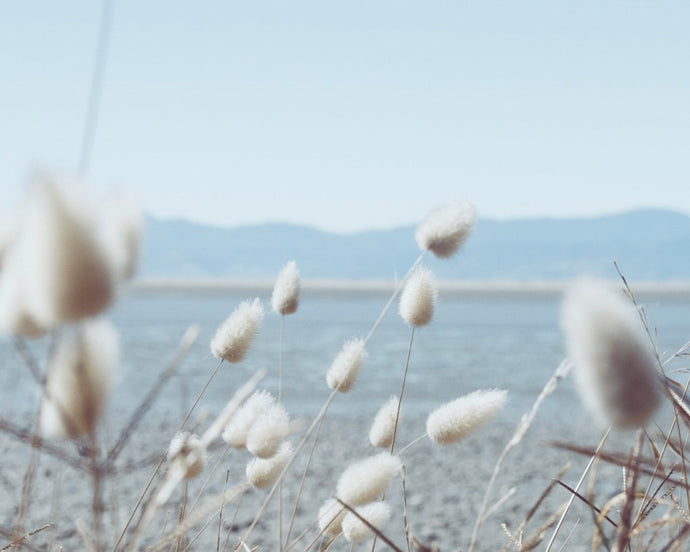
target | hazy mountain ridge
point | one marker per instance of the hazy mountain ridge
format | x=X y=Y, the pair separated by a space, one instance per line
x=649 y=245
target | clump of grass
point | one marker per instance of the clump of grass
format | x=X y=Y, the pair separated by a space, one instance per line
x=618 y=372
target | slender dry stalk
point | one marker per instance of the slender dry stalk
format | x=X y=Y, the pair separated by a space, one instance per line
x=402 y=390
x=188 y=339
x=300 y=489
x=371 y=527
x=577 y=488
x=21 y=541
x=209 y=508
x=523 y=426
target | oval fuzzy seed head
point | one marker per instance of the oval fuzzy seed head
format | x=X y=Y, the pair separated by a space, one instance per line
x=285 y=298
x=345 y=367
x=15 y=318
x=234 y=336
x=446 y=228
x=367 y=480
x=376 y=514
x=383 y=427
x=186 y=455
x=78 y=379
x=331 y=516
x=615 y=369
x=270 y=428
x=67 y=273
x=457 y=419
x=263 y=472
x=122 y=230
x=418 y=298
x=235 y=433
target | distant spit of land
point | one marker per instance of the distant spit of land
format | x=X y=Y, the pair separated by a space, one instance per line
x=647 y=245
x=679 y=290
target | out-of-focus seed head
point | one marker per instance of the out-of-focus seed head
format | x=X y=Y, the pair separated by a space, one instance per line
x=67 y=274
x=331 y=516
x=235 y=433
x=263 y=472
x=123 y=225
x=285 y=298
x=383 y=427
x=615 y=369
x=270 y=427
x=376 y=514
x=418 y=298
x=186 y=455
x=79 y=375
x=446 y=228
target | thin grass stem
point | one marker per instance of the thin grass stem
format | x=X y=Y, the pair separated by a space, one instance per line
x=402 y=391
x=577 y=488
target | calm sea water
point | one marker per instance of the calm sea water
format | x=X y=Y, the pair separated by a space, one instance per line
x=474 y=342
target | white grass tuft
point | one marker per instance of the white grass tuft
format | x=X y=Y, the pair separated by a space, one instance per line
x=615 y=369
x=78 y=379
x=271 y=426
x=234 y=336
x=331 y=516
x=457 y=419
x=418 y=298
x=263 y=472
x=346 y=366
x=186 y=455
x=383 y=426
x=368 y=479
x=235 y=433
x=122 y=230
x=66 y=272
x=285 y=298
x=446 y=228
x=355 y=530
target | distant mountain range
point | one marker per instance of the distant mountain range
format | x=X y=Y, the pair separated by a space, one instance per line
x=648 y=245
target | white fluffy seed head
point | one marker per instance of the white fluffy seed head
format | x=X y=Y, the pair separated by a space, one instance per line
x=418 y=298
x=122 y=230
x=383 y=427
x=457 y=419
x=79 y=376
x=67 y=274
x=263 y=472
x=285 y=298
x=235 y=433
x=368 y=479
x=345 y=367
x=615 y=369
x=331 y=516
x=10 y=225
x=234 y=336
x=355 y=530
x=446 y=228
x=272 y=425
x=15 y=318
x=186 y=455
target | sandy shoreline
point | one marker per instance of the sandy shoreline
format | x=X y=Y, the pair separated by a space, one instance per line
x=444 y=488
x=505 y=288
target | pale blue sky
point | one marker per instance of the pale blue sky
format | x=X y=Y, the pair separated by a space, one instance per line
x=350 y=115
